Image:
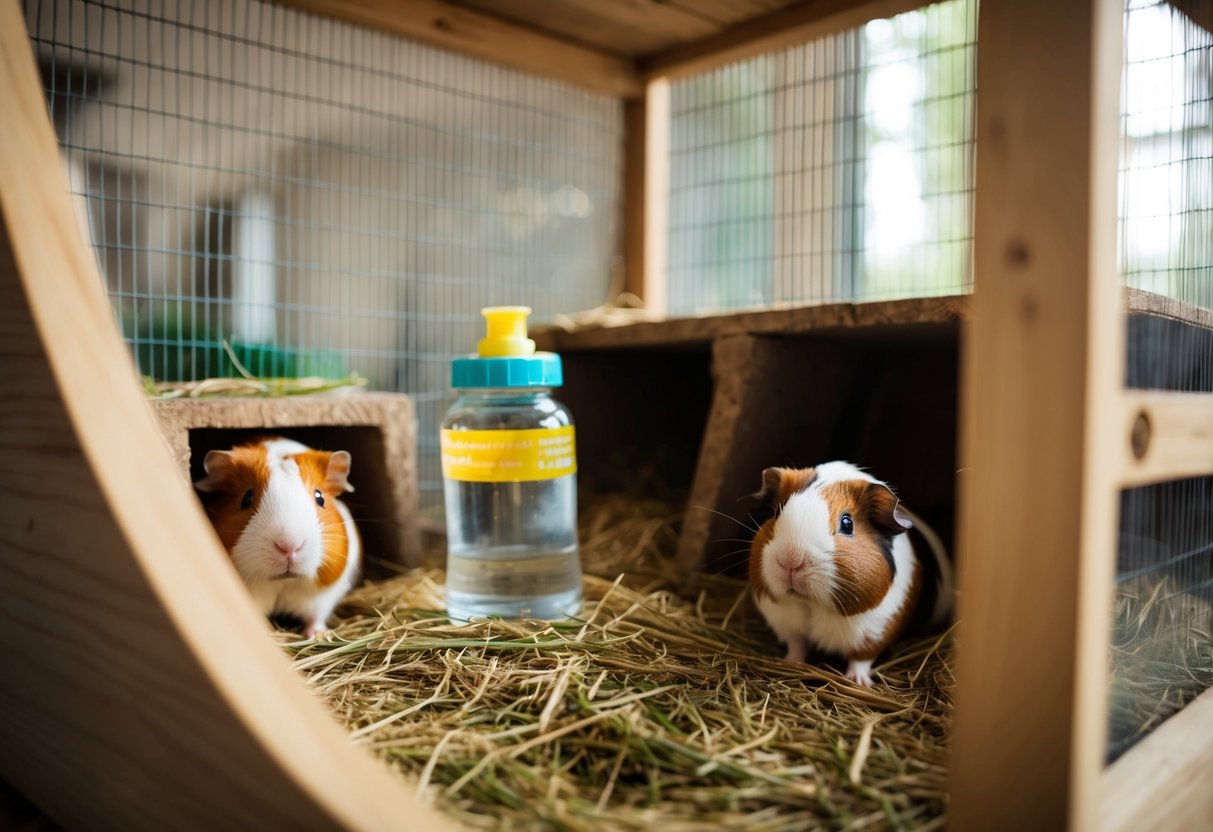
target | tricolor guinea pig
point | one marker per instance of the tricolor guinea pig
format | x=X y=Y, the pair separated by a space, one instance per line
x=834 y=568
x=275 y=504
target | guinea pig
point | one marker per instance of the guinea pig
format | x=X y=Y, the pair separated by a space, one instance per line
x=274 y=503
x=834 y=568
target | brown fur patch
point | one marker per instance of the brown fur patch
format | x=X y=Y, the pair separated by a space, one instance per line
x=897 y=624
x=864 y=572
x=313 y=468
x=757 y=583
x=247 y=469
x=779 y=484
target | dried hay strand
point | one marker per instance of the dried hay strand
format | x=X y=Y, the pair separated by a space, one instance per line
x=1162 y=657
x=664 y=704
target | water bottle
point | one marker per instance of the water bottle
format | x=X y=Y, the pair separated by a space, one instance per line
x=509 y=469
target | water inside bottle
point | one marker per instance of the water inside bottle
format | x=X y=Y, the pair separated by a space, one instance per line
x=512 y=549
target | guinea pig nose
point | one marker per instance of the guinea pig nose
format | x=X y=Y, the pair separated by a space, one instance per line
x=790 y=561
x=287 y=546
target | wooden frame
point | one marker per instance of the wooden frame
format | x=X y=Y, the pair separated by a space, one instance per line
x=1049 y=438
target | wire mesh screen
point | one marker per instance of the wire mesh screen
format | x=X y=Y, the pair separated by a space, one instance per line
x=838 y=170
x=324 y=198
x=1162 y=654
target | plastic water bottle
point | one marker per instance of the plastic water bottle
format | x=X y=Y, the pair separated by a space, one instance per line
x=509 y=469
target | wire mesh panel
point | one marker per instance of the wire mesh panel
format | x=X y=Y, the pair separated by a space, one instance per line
x=1162 y=649
x=324 y=198
x=841 y=169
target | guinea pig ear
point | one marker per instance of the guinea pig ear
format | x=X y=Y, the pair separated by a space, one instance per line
x=884 y=509
x=336 y=477
x=778 y=484
x=218 y=467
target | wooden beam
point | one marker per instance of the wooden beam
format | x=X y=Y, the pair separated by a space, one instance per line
x=486 y=37
x=1199 y=12
x=1164 y=782
x=889 y=318
x=780 y=29
x=634 y=195
x=656 y=194
x=1043 y=362
x=1165 y=436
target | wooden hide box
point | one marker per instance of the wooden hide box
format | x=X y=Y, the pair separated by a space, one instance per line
x=378 y=429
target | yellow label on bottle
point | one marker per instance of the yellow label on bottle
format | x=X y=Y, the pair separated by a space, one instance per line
x=508 y=455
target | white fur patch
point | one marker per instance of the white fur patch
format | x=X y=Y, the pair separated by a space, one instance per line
x=287 y=511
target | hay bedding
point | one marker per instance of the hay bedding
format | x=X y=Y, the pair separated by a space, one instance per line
x=666 y=706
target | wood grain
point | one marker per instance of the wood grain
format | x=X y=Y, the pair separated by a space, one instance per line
x=618 y=27
x=489 y=38
x=1199 y=12
x=1163 y=782
x=1179 y=429
x=776 y=30
x=1043 y=362
x=897 y=317
x=142 y=692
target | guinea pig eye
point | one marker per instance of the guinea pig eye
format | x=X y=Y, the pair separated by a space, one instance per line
x=319 y=498
x=246 y=501
x=846 y=525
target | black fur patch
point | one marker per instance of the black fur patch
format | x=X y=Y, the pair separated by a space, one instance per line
x=886 y=549
x=808 y=484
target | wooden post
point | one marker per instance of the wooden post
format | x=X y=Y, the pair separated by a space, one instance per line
x=656 y=193
x=635 y=142
x=1042 y=367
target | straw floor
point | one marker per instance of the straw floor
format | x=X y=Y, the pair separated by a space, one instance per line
x=664 y=706
x=1162 y=657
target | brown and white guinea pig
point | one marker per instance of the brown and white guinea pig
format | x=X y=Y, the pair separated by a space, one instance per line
x=274 y=503
x=834 y=569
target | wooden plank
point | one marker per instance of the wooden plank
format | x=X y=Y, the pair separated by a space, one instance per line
x=634 y=195
x=725 y=12
x=1199 y=12
x=1139 y=301
x=143 y=691
x=619 y=27
x=1163 y=782
x=1043 y=360
x=908 y=316
x=777 y=30
x=656 y=194
x=1165 y=436
x=481 y=36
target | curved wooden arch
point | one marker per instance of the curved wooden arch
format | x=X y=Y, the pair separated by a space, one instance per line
x=138 y=690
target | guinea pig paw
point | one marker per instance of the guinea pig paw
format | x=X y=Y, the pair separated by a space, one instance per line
x=796 y=652
x=860 y=673
x=315 y=630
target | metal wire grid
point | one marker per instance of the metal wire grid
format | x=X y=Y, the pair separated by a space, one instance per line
x=841 y=169
x=1164 y=586
x=323 y=197
x=1166 y=180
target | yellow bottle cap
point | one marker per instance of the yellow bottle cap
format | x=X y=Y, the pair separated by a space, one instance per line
x=506 y=332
